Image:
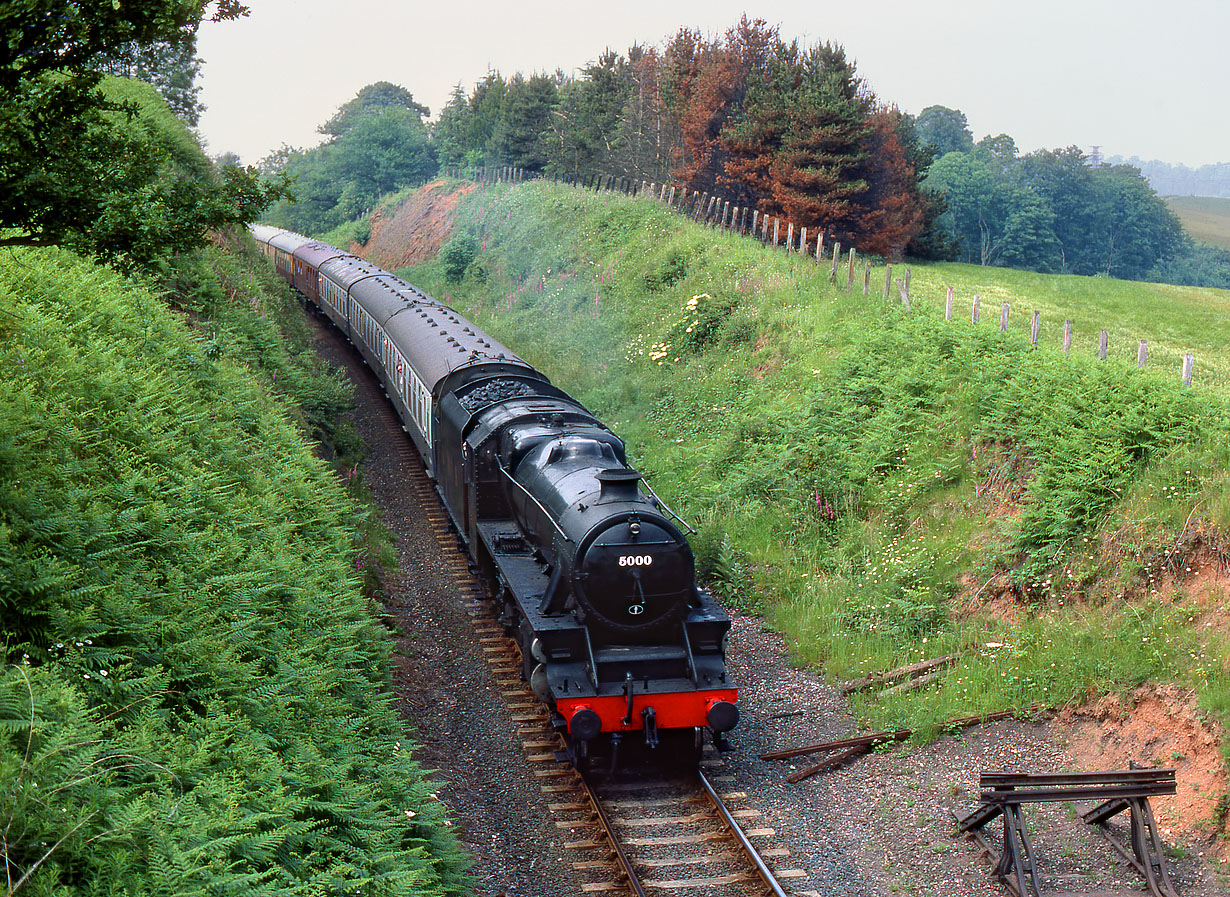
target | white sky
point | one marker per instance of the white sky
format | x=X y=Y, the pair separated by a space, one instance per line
x=1135 y=77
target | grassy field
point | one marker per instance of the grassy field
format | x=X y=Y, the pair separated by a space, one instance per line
x=886 y=485
x=1206 y=218
x=1173 y=320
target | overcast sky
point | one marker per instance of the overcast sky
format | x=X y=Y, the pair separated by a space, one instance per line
x=1135 y=77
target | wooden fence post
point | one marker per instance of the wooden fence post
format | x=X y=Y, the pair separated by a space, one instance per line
x=820 y=245
x=836 y=258
x=888 y=279
x=671 y=202
x=1103 y=343
x=1189 y=362
x=1034 y=328
x=802 y=240
x=903 y=288
x=1003 y=317
x=1067 y=337
x=948 y=297
x=789 y=235
x=974 y=314
x=850 y=270
x=866 y=278
x=1142 y=354
x=907 y=287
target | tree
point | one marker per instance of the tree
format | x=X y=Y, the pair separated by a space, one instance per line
x=945 y=129
x=42 y=36
x=1029 y=233
x=977 y=205
x=1138 y=229
x=892 y=211
x=83 y=168
x=381 y=150
x=798 y=144
x=587 y=134
x=379 y=96
x=450 y=134
x=649 y=132
x=999 y=153
x=707 y=82
x=170 y=66
x=1064 y=180
x=486 y=112
x=520 y=138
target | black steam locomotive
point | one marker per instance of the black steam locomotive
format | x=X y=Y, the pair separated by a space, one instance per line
x=594 y=577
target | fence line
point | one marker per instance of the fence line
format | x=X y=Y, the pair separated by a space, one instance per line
x=716 y=212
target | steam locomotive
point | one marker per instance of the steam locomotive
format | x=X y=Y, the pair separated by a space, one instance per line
x=592 y=573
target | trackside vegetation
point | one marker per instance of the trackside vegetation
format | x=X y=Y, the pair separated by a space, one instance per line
x=883 y=485
x=195 y=694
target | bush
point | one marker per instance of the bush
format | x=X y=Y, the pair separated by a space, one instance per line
x=456 y=255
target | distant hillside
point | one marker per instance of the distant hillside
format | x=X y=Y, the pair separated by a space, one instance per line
x=1206 y=218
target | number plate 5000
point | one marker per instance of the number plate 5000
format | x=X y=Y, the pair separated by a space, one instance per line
x=635 y=560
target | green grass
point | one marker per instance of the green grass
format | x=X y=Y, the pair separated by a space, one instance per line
x=1173 y=320
x=882 y=484
x=1206 y=218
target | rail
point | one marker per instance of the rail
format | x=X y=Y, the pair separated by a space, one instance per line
x=766 y=875
x=604 y=821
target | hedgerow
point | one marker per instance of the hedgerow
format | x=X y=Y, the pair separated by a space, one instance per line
x=195 y=696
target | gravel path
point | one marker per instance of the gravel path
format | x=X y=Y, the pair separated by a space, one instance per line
x=881 y=825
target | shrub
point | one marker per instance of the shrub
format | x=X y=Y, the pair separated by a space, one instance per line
x=456 y=255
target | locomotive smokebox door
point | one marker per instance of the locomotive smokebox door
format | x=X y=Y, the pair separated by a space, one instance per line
x=634 y=573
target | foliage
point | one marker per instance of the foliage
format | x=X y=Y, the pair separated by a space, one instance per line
x=195 y=694
x=380 y=144
x=1200 y=265
x=790 y=131
x=522 y=136
x=1050 y=211
x=373 y=98
x=80 y=168
x=170 y=66
x=589 y=116
x=456 y=255
x=944 y=130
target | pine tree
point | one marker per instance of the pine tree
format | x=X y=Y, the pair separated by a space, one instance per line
x=892 y=211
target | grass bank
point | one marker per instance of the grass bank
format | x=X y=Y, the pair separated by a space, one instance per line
x=195 y=694
x=883 y=485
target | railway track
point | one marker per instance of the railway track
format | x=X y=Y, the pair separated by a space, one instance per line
x=655 y=834
x=645 y=834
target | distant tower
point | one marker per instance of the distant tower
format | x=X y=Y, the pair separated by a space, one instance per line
x=1095 y=157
